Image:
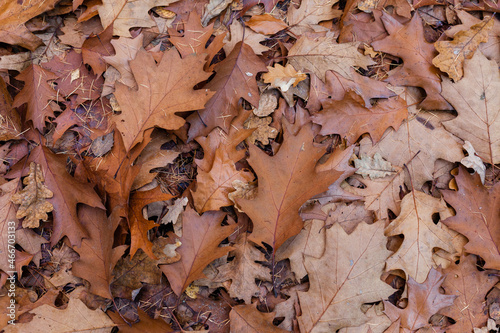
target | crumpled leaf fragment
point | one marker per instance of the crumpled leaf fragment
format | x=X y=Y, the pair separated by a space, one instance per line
x=374 y=167
x=283 y=77
x=243 y=190
x=473 y=161
x=33 y=206
x=267 y=104
x=263 y=131
x=452 y=54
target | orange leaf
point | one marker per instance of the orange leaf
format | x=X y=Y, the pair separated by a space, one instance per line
x=266 y=24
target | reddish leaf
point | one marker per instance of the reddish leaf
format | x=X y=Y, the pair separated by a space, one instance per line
x=478 y=216
x=37 y=93
x=201 y=236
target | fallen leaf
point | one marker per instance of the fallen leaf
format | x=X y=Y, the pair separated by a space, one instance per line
x=275 y=210
x=163 y=90
x=407 y=42
x=13 y=16
x=473 y=161
x=37 y=93
x=243 y=270
x=32 y=198
x=424 y=300
x=212 y=9
x=195 y=36
x=8 y=223
x=452 y=54
x=246 y=318
x=421 y=235
x=252 y=39
x=374 y=168
x=127 y=14
x=350 y=119
x=477 y=216
x=126 y=50
x=343 y=278
x=201 y=236
x=76 y=317
x=263 y=132
x=307 y=17
x=266 y=24
x=475 y=98
x=470 y=287
x=283 y=77
x=235 y=79
x=320 y=54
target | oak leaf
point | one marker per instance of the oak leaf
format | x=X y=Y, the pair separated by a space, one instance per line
x=235 y=79
x=127 y=14
x=350 y=118
x=263 y=132
x=243 y=270
x=37 y=93
x=476 y=100
x=201 y=236
x=139 y=226
x=308 y=15
x=97 y=255
x=76 y=317
x=452 y=54
x=95 y=48
x=478 y=216
x=68 y=192
x=470 y=287
x=375 y=167
x=32 y=199
x=421 y=235
x=266 y=24
x=320 y=54
x=424 y=300
x=246 y=318
x=275 y=210
x=126 y=50
x=418 y=143
x=283 y=77
x=343 y=278
x=407 y=42
x=195 y=36
x=163 y=90
x=252 y=39
x=213 y=186
x=10 y=122
x=13 y=15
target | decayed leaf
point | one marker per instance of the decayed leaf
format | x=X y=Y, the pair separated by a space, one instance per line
x=476 y=100
x=408 y=42
x=235 y=79
x=201 y=236
x=478 y=216
x=266 y=24
x=13 y=15
x=37 y=93
x=212 y=9
x=243 y=270
x=418 y=144
x=473 y=161
x=267 y=104
x=470 y=287
x=374 y=167
x=68 y=192
x=215 y=185
x=350 y=118
x=33 y=206
x=283 y=77
x=424 y=300
x=452 y=54
x=345 y=277
x=320 y=54
x=126 y=14
x=309 y=14
x=246 y=318
x=163 y=90
x=97 y=255
x=125 y=51
x=263 y=132
x=252 y=39
x=286 y=181
x=422 y=236
x=77 y=317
